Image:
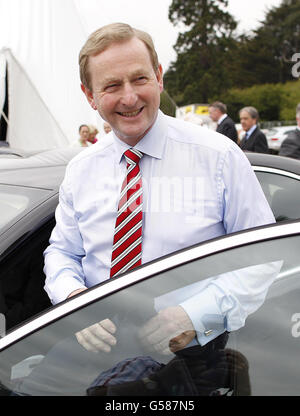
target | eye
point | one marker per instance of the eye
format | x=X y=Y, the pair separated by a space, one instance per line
x=141 y=80
x=111 y=87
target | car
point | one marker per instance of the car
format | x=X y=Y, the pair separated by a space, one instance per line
x=29 y=194
x=276 y=135
x=44 y=358
x=29 y=187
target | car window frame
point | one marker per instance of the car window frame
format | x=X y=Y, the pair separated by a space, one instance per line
x=276 y=171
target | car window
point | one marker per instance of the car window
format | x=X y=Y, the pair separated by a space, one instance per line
x=252 y=359
x=282 y=193
x=16 y=200
x=22 y=279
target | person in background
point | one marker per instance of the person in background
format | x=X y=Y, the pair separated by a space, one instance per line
x=225 y=125
x=83 y=136
x=106 y=127
x=291 y=145
x=254 y=139
x=93 y=131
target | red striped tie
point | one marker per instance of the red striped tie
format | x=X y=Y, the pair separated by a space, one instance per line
x=127 y=245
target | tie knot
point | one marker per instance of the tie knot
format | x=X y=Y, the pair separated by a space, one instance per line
x=133 y=156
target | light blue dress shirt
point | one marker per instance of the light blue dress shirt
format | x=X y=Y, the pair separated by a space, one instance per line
x=197 y=185
x=250 y=131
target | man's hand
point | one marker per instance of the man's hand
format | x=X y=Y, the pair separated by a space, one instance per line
x=98 y=337
x=169 y=331
x=75 y=292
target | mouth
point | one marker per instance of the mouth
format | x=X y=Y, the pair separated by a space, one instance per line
x=129 y=114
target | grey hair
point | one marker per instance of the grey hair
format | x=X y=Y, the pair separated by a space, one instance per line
x=220 y=106
x=252 y=111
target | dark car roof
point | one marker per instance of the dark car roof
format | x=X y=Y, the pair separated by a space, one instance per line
x=274 y=161
x=41 y=170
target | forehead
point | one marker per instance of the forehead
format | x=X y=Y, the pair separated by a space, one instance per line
x=245 y=114
x=120 y=58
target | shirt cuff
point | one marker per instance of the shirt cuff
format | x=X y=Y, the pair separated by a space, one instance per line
x=205 y=315
x=62 y=287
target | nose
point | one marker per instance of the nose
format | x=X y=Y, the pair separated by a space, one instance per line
x=129 y=96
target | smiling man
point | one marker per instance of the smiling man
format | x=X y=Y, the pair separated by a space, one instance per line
x=125 y=89
x=153 y=185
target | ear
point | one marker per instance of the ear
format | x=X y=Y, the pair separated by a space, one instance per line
x=89 y=95
x=159 y=76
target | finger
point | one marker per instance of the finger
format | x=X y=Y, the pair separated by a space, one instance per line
x=181 y=341
x=101 y=334
x=90 y=342
x=89 y=345
x=108 y=325
x=95 y=338
x=149 y=327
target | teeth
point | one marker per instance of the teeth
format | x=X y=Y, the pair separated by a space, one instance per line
x=132 y=114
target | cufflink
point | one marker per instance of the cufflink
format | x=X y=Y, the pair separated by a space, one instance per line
x=208 y=332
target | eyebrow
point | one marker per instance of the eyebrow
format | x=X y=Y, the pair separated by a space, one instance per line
x=138 y=72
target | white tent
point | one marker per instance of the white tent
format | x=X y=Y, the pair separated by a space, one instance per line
x=40 y=42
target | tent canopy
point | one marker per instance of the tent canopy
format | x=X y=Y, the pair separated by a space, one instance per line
x=39 y=47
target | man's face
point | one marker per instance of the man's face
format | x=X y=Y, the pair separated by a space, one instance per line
x=125 y=89
x=246 y=120
x=84 y=132
x=214 y=113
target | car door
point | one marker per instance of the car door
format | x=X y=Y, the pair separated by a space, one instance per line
x=259 y=357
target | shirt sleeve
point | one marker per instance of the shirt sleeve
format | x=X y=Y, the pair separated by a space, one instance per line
x=226 y=302
x=228 y=299
x=242 y=200
x=63 y=268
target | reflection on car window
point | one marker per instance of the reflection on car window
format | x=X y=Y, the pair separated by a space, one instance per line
x=11 y=205
x=282 y=193
x=51 y=361
x=16 y=200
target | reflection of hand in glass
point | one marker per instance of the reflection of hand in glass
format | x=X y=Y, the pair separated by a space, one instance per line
x=181 y=341
x=170 y=330
x=98 y=337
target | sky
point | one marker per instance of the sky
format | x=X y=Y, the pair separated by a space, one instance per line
x=152 y=16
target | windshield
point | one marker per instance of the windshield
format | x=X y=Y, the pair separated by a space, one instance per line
x=15 y=200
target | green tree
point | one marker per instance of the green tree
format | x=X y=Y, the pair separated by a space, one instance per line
x=206 y=37
x=266 y=56
x=167 y=105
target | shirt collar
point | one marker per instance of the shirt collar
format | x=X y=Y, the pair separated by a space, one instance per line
x=152 y=144
x=222 y=118
x=250 y=131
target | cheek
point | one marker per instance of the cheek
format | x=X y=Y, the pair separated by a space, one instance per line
x=104 y=104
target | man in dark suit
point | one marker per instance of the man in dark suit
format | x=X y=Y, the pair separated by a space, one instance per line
x=225 y=125
x=291 y=145
x=254 y=139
